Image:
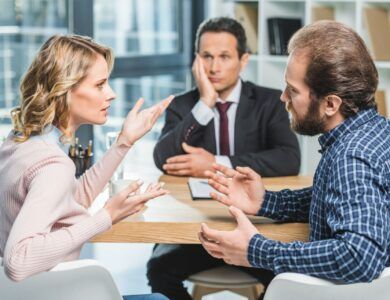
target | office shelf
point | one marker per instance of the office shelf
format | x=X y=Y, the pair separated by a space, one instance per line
x=269 y=69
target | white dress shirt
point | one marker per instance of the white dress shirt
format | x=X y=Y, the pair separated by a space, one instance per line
x=203 y=114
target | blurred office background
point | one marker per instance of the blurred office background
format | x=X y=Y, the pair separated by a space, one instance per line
x=153 y=43
x=151 y=40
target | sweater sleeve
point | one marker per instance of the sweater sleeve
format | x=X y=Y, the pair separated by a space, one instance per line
x=34 y=243
x=91 y=184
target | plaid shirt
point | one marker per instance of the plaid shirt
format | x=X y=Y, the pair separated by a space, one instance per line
x=347 y=208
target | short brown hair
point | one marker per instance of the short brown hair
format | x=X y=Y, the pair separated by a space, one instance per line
x=338 y=64
x=223 y=24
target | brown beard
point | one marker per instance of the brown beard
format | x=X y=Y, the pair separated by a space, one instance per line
x=312 y=123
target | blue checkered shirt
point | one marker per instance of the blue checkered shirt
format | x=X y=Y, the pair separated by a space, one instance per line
x=348 y=208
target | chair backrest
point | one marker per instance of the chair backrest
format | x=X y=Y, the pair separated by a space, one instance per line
x=223 y=276
x=298 y=286
x=86 y=282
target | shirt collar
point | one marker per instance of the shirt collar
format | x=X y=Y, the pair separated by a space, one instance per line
x=52 y=135
x=235 y=94
x=328 y=138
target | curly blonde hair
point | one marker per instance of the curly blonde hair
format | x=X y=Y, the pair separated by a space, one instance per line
x=60 y=65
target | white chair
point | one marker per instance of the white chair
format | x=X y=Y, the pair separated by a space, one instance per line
x=76 y=280
x=225 y=278
x=295 y=286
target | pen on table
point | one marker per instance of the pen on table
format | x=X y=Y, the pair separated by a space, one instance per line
x=89 y=149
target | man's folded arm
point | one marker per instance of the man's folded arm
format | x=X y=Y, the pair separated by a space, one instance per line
x=278 y=161
x=178 y=130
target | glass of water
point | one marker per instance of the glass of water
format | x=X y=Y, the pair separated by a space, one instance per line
x=119 y=172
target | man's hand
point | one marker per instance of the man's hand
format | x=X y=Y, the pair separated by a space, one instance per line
x=194 y=163
x=206 y=89
x=242 y=188
x=231 y=246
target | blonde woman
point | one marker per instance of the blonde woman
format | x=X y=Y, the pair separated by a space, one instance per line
x=43 y=208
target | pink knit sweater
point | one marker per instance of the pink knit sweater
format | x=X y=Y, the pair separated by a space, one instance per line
x=43 y=208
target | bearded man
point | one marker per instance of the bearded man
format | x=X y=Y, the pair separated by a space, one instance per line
x=331 y=81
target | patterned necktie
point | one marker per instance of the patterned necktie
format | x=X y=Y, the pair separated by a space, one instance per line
x=223 y=127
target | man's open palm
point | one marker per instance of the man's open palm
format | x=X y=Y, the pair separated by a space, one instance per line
x=242 y=188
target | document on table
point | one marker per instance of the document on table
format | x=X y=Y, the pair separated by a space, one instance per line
x=199 y=188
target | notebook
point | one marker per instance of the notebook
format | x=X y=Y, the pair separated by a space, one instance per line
x=200 y=189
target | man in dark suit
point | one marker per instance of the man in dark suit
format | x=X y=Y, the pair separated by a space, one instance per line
x=258 y=134
x=223 y=120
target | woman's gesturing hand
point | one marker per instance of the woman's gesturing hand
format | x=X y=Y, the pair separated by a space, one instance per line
x=130 y=201
x=139 y=122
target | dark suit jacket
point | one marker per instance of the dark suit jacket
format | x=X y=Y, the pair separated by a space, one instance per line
x=263 y=139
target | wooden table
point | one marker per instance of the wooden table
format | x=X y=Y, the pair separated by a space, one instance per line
x=176 y=218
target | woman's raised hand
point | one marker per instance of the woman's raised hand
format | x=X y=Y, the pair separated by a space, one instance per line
x=138 y=122
x=130 y=201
